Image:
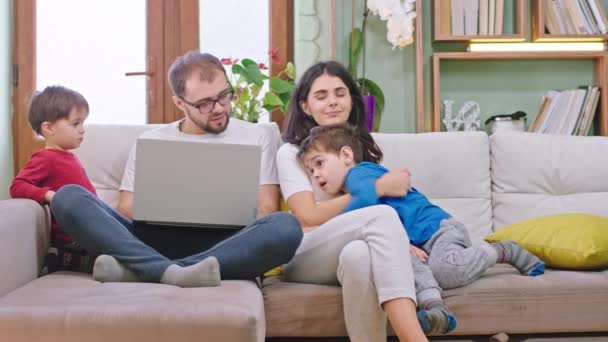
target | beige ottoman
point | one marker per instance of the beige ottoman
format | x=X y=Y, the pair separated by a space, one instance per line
x=69 y=306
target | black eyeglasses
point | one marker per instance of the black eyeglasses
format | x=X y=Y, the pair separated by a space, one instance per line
x=206 y=106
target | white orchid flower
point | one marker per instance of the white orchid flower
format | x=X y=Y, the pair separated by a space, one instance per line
x=399 y=15
x=381 y=8
x=400 y=30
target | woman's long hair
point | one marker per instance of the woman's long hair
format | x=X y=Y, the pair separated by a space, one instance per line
x=298 y=124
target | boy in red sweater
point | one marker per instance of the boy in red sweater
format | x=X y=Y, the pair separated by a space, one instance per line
x=57 y=114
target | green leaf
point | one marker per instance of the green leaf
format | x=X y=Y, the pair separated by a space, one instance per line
x=253 y=74
x=250 y=71
x=371 y=88
x=244 y=97
x=247 y=62
x=272 y=100
x=280 y=86
x=236 y=69
x=285 y=97
x=355 y=42
x=290 y=70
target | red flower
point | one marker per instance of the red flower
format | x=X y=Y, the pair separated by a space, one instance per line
x=273 y=53
x=228 y=61
x=262 y=66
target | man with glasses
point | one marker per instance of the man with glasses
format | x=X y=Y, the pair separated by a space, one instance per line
x=201 y=91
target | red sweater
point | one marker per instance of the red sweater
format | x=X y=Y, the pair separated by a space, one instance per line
x=50 y=169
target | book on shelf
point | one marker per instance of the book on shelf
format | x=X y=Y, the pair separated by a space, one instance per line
x=457 y=10
x=566 y=112
x=589 y=112
x=574 y=111
x=558 y=112
x=483 y=17
x=491 y=16
x=586 y=103
x=599 y=14
x=471 y=15
x=540 y=115
x=589 y=21
x=553 y=18
x=554 y=97
x=498 y=16
x=574 y=17
x=445 y=16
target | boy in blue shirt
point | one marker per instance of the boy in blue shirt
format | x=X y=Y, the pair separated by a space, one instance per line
x=332 y=155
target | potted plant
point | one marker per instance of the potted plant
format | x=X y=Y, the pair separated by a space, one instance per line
x=248 y=80
x=399 y=15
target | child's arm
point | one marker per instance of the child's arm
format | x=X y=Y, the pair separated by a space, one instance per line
x=360 y=182
x=28 y=183
x=365 y=182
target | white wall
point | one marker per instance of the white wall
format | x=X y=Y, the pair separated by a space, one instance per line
x=6 y=136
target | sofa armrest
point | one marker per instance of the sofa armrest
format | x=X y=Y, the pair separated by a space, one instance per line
x=24 y=240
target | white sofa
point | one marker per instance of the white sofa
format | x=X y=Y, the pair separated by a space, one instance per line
x=486 y=183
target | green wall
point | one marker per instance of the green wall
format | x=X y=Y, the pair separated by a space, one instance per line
x=502 y=87
x=6 y=137
x=393 y=70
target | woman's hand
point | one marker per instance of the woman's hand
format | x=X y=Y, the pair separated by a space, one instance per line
x=395 y=183
x=419 y=253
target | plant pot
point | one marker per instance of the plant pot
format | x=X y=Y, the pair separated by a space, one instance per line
x=369 y=102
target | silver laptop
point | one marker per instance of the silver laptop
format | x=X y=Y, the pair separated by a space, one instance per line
x=198 y=184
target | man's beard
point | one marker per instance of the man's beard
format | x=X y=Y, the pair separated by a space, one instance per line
x=207 y=126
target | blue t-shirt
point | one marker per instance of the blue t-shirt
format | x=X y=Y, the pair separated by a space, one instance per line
x=419 y=216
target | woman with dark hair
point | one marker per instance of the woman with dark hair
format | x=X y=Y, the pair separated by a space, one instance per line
x=363 y=250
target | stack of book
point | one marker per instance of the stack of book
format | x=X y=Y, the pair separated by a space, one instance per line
x=568 y=112
x=575 y=17
x=472 y=17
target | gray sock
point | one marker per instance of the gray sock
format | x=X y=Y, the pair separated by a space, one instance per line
x=436 y=319
x=524 y=261
x=108 y=269
x=202 y=274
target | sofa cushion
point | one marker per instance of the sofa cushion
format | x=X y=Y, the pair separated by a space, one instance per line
x=24 y=233
x=502 y=300
x=104 y=153
x=451 y=169
x=69 y=306
x=571 y=241
x=539 y=174
x=557 y=301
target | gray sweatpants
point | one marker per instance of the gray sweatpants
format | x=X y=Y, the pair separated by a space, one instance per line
x=452 y=262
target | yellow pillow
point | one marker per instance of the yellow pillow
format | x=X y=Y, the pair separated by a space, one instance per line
x=275 y=271
x=572 y=241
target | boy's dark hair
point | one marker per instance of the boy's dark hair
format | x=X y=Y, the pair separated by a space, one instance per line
x=205 y=64
x=52 y=104
x=332 y=138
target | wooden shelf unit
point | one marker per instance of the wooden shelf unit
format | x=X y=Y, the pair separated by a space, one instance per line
x=519 y=17
x=599 y=75
x=539 y=34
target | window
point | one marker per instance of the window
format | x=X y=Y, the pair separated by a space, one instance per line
x=91 y=45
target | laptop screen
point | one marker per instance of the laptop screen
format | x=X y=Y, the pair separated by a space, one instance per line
x=199 y=184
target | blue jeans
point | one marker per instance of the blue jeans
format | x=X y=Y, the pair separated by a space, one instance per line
x=269 y=242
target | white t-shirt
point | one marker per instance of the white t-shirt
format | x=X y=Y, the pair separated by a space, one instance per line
x=292 y=176
x=237 y=132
